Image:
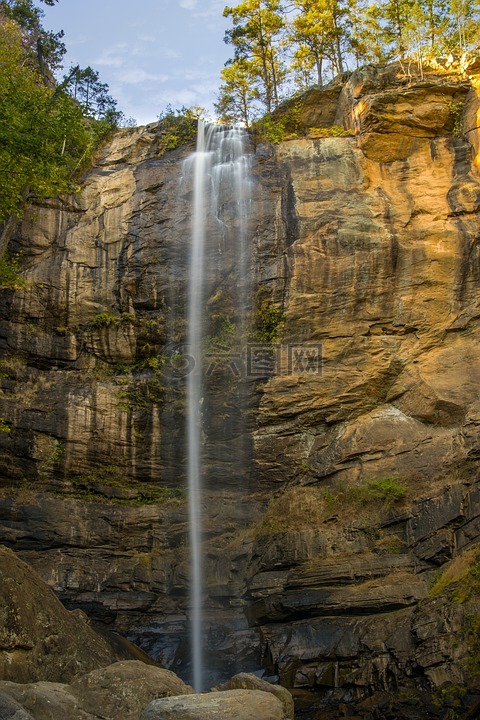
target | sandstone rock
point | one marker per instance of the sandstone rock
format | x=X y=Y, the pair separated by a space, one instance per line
x=245 y=681
x=369 y=244
x=126 y=688
x=39 y=639
x=46 y=701
x=119 y=690
x=11 y=710
x=422 y=110
x=234 y=704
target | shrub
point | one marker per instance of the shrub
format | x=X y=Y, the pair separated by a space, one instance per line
x=178 y=127
x=463 y=572
x=268 y=320
x=105 y=319
x=87 y=487
x=10 y=273
x=385 y=490
x=332 y=131
x=5 y=426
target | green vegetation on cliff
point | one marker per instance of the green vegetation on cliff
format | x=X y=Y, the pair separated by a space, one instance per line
x=280 y=48
x=48 y=131
x=301 y=506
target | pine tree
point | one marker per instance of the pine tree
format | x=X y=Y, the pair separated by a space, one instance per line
x=319 y=31
x=255 y=36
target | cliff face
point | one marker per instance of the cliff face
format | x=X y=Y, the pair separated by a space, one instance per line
x=370 y=244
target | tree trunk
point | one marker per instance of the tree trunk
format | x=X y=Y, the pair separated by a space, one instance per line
x=319 y=66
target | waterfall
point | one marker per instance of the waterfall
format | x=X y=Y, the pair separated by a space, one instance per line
x=219 y=265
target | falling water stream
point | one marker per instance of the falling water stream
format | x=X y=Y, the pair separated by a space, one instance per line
x=220 y=174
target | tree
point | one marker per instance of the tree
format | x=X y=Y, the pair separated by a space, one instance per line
x=464 y=27
x=237 y=96
x=92 y=95
x=47 y=48
x=257 y=25
x=367 y=41
x=45 y=138
x=319 y=30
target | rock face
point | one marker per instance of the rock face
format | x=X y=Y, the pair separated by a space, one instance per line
x=39 y=638
x=366 y=434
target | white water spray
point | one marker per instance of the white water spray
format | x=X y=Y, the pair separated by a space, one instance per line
x=220 y=173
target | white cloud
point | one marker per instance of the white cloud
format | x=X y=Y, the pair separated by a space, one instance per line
x=136 y=76
x=188 y=4
x=113 y=56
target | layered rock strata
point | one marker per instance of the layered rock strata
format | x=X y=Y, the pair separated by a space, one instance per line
x=368 y=244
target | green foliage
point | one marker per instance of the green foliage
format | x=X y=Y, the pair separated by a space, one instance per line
x=93 y=486
x=46 y=48
x=471 y=633
x=46 y=137
x=10 y=278
x=283 y=124
x=387 y=491
x=456 y=114
x=333 y=131
x=275 y=48
x=5 y=426
x=57 y=454
x=222 y=334
x=92 y=95
x=142 y=393
x=178 y=127
x=449 y=698
x=461 y=576
x=238 y=96
x=318 y=32
x=105 y=319
x=303 y=506
x=150 y=339
x=256 y=41
x=268 y=320
x=381 y=492
x=53 y=453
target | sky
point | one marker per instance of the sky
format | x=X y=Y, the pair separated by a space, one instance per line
x=152 y=53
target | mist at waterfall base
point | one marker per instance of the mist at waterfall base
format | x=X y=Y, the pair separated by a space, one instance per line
x=218 y=303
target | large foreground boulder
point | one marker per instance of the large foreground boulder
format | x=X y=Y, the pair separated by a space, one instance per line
x=39 y=638
x=121 y=690
x=247 y=681
x=127 y=687
x=231 y=704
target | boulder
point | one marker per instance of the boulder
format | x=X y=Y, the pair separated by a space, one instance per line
x=121 y=690
x=39 y=638
x=247 y=681
x=232 y=704
x=128 y=685
x=11 y=710
x=45 y=701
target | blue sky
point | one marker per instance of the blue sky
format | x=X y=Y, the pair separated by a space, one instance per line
x=150 y=52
